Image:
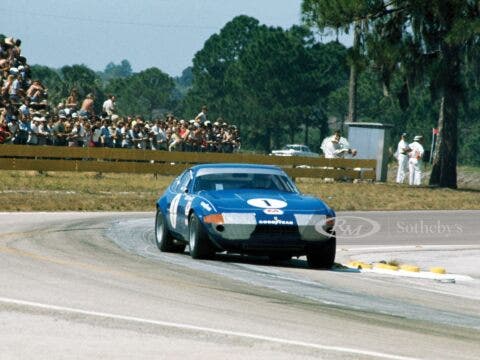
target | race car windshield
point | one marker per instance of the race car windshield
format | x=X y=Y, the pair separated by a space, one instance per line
x=253 y=181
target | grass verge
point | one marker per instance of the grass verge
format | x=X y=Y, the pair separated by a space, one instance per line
x=63 y=191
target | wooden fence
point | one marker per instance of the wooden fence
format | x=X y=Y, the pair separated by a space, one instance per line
x=91 y=159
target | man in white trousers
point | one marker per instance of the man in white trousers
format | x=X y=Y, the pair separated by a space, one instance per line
x=402 y=157
x=415 y=161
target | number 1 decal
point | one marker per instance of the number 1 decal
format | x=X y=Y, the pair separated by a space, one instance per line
x=266 y=203
x=173 y=210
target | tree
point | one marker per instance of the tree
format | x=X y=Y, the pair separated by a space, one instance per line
x=85 y=80
x=280 y=79
x=143 y=93
x=113 y=71
x=469 y=150
x=270 y=82
x=431 y=40
x=60 y=82
x=211 y=63
x=337 y=15
x=186 y=79
x=81 y=77
x=183 y=84
x=352 y=88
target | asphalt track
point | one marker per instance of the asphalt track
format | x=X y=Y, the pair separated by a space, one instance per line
x=78 y=285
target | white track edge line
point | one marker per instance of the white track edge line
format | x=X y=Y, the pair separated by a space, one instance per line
x=205 y=329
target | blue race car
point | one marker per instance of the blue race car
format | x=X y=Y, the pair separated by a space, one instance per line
x=246 y=209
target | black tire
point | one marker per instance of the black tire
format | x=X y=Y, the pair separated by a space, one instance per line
x=163 y=238
x=200 y=245
x=322 y=256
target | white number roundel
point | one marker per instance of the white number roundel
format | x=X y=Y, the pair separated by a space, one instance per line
x=267 y=203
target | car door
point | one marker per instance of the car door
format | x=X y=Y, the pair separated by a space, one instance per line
x=177 y=203
x=184 y=203
x=173 y=197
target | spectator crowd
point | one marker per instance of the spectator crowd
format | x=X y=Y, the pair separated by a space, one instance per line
x=27 y=118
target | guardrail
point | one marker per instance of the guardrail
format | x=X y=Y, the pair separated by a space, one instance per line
x=91 y=159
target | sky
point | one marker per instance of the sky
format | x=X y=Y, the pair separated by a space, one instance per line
x=148 y=33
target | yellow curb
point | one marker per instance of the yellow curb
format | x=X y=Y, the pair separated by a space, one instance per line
x=438 y=270
x=411 y=268
x=385 y=266
x=365 y=266
x=359 y=265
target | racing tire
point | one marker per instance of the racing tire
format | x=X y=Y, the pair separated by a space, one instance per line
x=163 y=238
x=322 y=256
x=199 y=243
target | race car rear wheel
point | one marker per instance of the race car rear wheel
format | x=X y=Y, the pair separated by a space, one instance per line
x=163 y=238
x=322 y=256
x=200 y=246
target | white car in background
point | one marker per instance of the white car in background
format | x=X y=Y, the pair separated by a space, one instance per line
x=294 y=150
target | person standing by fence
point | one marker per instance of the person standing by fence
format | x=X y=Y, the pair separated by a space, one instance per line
x=415 y=161
x=402 y=157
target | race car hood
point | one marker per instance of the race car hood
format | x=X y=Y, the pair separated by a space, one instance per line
x=254 y=200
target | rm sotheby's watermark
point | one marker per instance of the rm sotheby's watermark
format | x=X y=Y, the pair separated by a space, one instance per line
x=358 y=227
x=423 y=227
x=351 y=227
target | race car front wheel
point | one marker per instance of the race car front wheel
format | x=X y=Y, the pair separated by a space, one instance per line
x=163 y=238
x=200 y=246
x=322 y=256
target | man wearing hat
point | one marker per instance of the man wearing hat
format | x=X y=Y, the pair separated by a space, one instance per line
x=402 y=157
x=415 y=160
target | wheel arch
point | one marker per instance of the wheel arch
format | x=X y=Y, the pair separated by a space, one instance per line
x=199 y=212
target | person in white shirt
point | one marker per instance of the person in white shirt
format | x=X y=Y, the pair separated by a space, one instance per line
x=202 y=115
x=160 y=137
x=77 y=135
x=402 y=157
x=33 y=135
x=109 y=105
x=13 y=128
x=96 y=133
x=415 y=161
x=336 y=146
